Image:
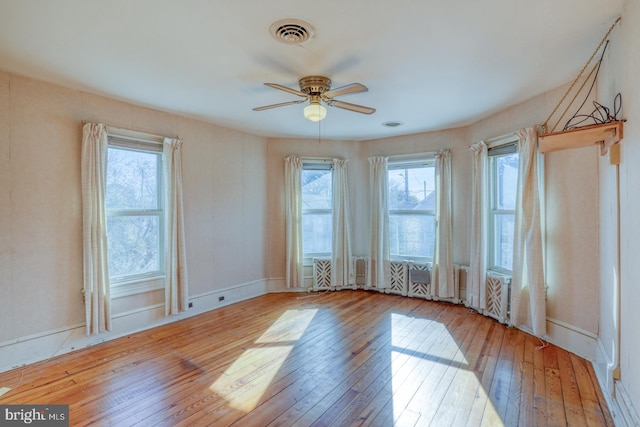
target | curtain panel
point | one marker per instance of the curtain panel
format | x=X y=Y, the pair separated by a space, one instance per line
x=96 y=288
x=528 y=305
x=443 y=286
x=379 y=274
x=293 y=219
x=176 y=286
x=341 y=269
x=477 y=279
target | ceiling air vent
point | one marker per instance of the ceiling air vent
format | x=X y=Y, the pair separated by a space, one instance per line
x=292 y=31
x=392 y=124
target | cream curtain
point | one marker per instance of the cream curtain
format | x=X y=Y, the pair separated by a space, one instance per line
x=379 y=275
x=176 y=287
x=528 y=307
x=96 y=290
x=443 y=286
x=341 y=274
x=293 y=218
x=476 y=281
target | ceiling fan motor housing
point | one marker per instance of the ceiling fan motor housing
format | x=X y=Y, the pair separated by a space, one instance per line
x=314 y=85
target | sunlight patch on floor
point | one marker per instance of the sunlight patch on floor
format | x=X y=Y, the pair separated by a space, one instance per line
x=430 y=378
x=403 y=332
x=289 y=327
x=244 y=382
x=490 y=416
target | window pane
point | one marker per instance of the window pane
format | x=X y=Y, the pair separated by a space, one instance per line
x=503 y=244
x=134 y=246
x=507 y=176
x=412 y=235
x=316 y=189
x=412 y=188
x=132 y=179
x=316 y=233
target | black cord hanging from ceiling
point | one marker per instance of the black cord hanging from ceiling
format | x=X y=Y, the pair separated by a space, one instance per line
x=600 y=113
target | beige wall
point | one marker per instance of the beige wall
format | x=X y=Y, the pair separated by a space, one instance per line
x=630 y=205
x=277 y=150
x=358 y=174
x=571 y=212
x=233 y=195
x=42 y=256
x=234 y=205
x=6 y=302
x=40 y=203
x=457 y=141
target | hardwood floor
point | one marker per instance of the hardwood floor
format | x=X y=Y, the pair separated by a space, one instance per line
x=342 y=358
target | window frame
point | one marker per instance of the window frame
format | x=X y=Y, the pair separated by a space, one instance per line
x=501 y=148
x=154 y=280
x=410 y=162
x=323 y=165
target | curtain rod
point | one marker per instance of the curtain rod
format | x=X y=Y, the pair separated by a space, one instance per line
x=320 y=159
x=414 y=156
x=134 y=134
x=499 y=140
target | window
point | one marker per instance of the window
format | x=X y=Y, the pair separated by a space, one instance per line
x=317 y=213
x=412 y=206
x=503 y=180
x=134 y=204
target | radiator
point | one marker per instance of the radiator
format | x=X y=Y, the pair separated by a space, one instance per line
x=398 y=283
x=497 y=296
x=413 y=279
x=321 y=274
x=419 y=280
x=360 y=269
x=460 y=273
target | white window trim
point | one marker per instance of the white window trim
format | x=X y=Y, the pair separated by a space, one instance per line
x=411 y=161
x=494 y=143
x=321 y=163
x=144 y=142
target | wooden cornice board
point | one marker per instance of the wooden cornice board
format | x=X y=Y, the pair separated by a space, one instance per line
x=604 y=135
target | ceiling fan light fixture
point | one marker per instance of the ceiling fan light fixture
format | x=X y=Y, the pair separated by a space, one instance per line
x=315 y=112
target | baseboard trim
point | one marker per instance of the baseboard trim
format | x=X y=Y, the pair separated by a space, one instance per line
x=603 y=367
x=279 y=284
x=572 y=338
x=48 y=344
x=628 y=411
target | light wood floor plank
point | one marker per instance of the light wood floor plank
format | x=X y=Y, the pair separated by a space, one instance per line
x=348 y=358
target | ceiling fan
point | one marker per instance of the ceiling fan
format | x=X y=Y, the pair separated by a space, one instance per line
x=316 y=89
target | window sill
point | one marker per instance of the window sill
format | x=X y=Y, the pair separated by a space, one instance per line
x=126 y=289
x=500 y=271
x=417 y=260
x=307 y=261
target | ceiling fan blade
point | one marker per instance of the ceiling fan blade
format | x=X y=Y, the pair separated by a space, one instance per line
x=351 y=107
x=286 y=89
x=282 y=104
x=346 y=90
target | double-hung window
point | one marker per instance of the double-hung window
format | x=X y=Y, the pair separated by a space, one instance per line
x=317 y=209
x=134 y=204
x=503 y=184
x=412 y=207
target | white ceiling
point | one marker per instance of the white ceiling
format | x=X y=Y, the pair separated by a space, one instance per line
x=432 y=64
